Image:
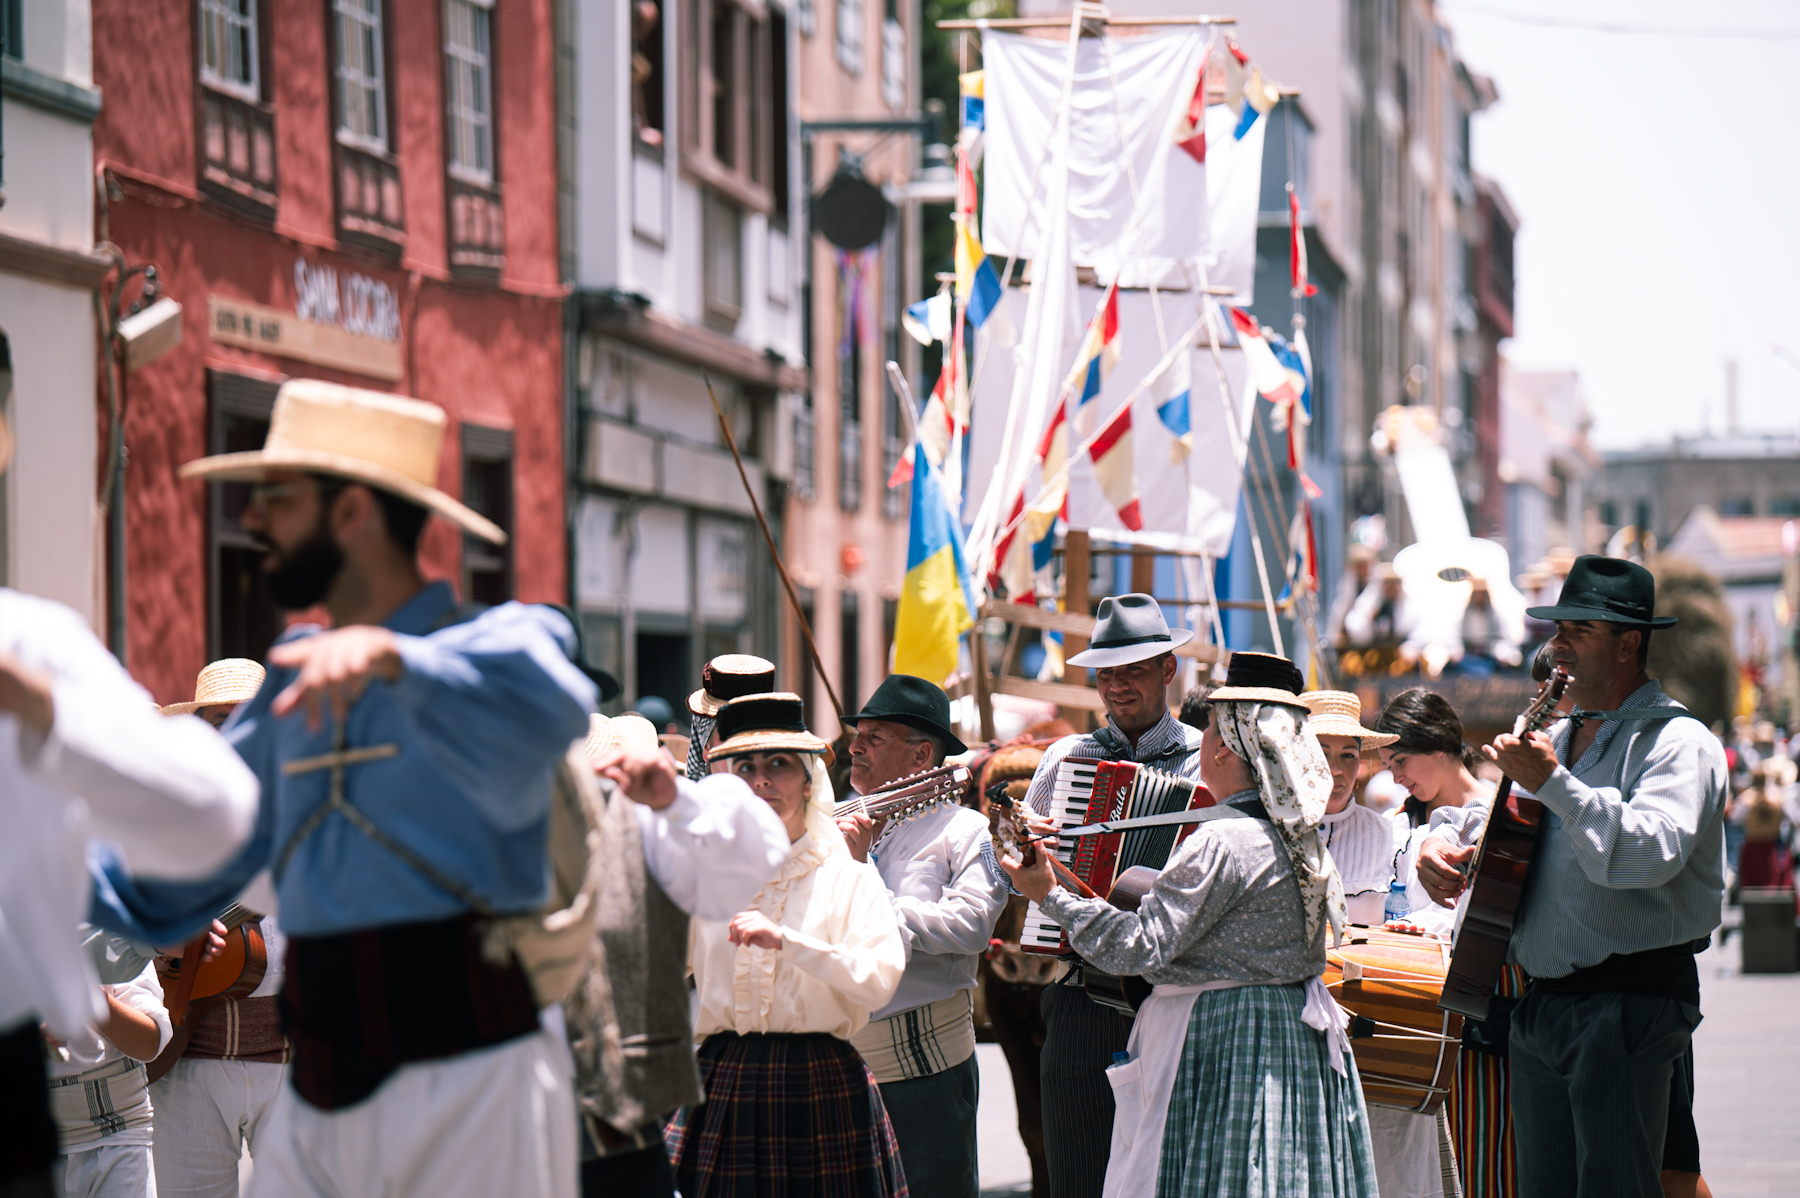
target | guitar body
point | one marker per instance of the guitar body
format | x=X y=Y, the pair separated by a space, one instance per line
x=1497 y=882
x=232 y=975
x=1123 y=993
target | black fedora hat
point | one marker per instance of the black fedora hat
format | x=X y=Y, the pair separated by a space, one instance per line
x=904 y=699
x=1606 y=588
x=1261 y=678
x=1129 y=628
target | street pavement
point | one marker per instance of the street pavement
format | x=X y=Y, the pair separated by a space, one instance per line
x=1746 y=1081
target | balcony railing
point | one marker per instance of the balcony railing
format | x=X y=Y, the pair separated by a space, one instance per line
x=369 y=201
x=477 y=228
x=850 y=465
x=805 y=474
x=893 y=499
x=237 y=151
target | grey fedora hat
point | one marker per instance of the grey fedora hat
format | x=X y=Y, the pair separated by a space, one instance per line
x=1129 y=628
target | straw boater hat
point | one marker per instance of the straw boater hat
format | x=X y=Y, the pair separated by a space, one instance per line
x=1261 y=678
x=225 y=683
x=728 y=677
x=762 y=724
x=620 y=732
x=1128 y=628
x=1339 y=713
x=385 y=441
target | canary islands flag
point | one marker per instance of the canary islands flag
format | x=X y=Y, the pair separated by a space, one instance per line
x=936 y=603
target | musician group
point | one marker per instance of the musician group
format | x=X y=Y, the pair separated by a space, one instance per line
x=416 y=921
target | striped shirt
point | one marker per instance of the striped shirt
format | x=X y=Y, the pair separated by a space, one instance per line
x=1169 y=745
x=1631 y=856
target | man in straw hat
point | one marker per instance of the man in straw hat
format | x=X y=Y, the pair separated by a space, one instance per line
x=406 y=762
x=948 y=891
x=83 y=754
x=221 y=687
x=214 y=1101
x=670 y=848
x=724 y=678
x=1625 y=887
x=1233 y=937
x=1132 y=655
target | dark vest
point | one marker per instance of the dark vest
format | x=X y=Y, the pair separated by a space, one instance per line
x=629 y=1029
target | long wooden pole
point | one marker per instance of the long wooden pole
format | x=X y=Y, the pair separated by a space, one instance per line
x=793 y=596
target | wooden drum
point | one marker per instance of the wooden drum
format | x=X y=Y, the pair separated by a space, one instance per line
x=1405 y=1046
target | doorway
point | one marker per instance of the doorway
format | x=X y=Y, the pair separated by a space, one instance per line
x=664 y=668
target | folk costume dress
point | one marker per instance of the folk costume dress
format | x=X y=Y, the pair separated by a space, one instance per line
x=1240 y=1078
x=791 y=1109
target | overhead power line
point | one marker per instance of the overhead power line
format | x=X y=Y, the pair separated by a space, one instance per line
x=1626 y=27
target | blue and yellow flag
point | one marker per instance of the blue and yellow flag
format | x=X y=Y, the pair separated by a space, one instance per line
x=936 y=604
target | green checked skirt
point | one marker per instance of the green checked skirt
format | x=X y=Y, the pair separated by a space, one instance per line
x=1258 y=1111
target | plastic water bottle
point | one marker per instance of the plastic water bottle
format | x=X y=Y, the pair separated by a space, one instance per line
x=1397 y=907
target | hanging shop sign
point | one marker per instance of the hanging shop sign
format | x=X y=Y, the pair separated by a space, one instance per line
x=349 y=322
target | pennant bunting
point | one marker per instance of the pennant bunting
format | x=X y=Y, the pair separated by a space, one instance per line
x=1099 y=349
x=1172 y=391
x=977 y=283
x=1293 y=416
x=929 y=319
x=1115 y=470
x=1297 y=247
x=1190 y=133
x=974 y=101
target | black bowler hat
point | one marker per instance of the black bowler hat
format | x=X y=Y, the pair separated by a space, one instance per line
x=904 y=699
x=1609 y=589
x=1261 y=678
x=1129 y=628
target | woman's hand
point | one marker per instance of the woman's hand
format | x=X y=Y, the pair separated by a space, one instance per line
x=1034 y=881
x=755 y=929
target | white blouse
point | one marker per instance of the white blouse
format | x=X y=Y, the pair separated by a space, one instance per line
x=843 y=955
x=1361 y=841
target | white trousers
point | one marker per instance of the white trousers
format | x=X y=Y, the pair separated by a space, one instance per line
x=108 y=1171
x=206 y=1112
x=500 y=1121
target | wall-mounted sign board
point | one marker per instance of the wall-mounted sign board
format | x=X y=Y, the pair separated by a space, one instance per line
x=272 y=331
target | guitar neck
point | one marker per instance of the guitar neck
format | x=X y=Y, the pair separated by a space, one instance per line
x=237 y=915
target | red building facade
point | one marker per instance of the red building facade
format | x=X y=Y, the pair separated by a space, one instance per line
x=363 y=191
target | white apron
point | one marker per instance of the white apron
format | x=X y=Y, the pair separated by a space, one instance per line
x=1143 y=1085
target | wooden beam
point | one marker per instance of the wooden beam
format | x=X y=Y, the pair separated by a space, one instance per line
x=1063 y=694
x=1063 y=22
x=984 y=700
x=1076 y=629
x=1143 y=570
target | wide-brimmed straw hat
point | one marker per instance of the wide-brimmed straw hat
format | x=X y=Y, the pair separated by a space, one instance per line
x=225 y=683
x=1128 y=628
x=763 y=724
x=385 y=441
x=1339 y=713
x=729 y=677
x=1261 y=678
x=620 y=732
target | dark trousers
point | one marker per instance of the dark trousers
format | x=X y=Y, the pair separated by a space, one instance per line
x=28 y=1142
x=934 y=1120
x=1080 y=1037
x=1591 y=1080
x=641 y=1174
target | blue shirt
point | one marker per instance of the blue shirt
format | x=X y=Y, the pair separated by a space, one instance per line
x=481 y=713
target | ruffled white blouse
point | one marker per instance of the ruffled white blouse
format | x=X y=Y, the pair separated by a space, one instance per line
x=842 y=959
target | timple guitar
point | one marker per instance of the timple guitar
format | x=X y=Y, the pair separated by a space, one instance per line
x=1498 y=874
x=191 y=986
x=909 y=796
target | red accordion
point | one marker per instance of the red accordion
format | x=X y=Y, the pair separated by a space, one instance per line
x=1094 y=792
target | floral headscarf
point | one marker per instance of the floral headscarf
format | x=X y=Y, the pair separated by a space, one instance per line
x=1295 y=784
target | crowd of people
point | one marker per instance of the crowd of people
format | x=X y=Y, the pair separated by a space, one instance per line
x=476 y=939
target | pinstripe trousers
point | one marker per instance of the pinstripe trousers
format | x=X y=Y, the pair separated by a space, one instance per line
x=1080 y=1037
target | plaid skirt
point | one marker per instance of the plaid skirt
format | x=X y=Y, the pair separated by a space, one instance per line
x=1258 y=1111
x=785 y=1116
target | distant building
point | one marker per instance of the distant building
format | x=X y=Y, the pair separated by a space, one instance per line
x=1656 y=489
x=1745 y=554
x=49 y=271
x=1545 y=463
x=682 y=237
x=357 y=192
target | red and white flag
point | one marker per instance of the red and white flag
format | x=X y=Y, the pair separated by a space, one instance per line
x=1115 y=470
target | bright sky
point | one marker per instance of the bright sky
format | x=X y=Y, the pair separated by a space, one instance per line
x=1657 y=182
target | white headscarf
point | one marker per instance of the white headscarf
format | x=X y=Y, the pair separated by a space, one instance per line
x=820 y=805
x=1295 y=784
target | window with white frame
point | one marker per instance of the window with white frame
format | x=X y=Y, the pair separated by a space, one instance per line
x=361 y=74
x=228 y=51
x=469 y=88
